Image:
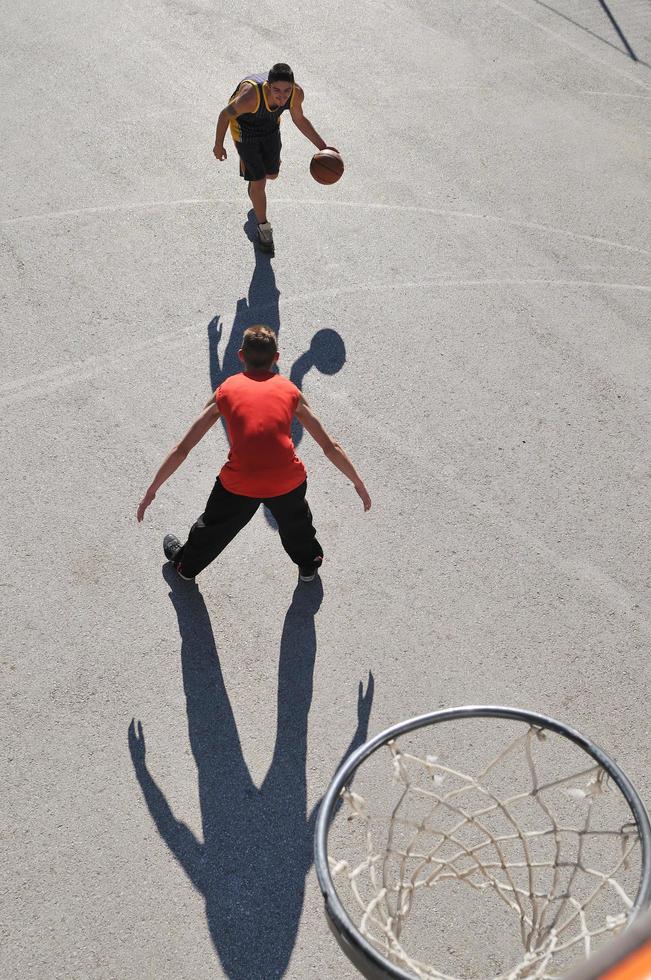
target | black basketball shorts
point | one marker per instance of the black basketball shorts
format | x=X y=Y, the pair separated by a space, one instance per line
x=260 y=157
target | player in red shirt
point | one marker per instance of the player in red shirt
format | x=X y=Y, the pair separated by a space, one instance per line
x=262 y=467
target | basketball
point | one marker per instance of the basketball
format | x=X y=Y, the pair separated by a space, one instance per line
x=326 y=166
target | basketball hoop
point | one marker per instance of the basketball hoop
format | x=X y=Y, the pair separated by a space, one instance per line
x=480 y=841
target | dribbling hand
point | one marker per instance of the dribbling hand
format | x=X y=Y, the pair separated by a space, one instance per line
x=220 y=152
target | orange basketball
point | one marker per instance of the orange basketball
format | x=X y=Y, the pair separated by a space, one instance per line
x=326 y=166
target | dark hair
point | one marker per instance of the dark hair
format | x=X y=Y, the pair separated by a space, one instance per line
x=281 y=73
x=259 y=346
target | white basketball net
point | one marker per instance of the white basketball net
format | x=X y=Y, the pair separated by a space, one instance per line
x=440 y=830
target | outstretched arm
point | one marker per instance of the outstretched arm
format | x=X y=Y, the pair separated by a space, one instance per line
x=301 y=121
x=245 y=101
x=173 y=460
x=332 y=449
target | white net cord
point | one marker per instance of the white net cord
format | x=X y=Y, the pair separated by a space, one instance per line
x=557 y=877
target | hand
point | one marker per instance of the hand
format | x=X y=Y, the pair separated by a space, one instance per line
x=365 y=701
x=144 y=504
x=219 y=152
x=137 y=743
x=362 y=492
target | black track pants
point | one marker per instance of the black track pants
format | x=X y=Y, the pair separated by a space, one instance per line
x=227 y=513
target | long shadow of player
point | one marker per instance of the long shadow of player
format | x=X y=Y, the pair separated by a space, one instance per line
x=259 y=306
x=326 y=353
x=257 y=843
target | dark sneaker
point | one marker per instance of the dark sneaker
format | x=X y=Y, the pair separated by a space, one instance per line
x=265 y=237
x=172 y=548
x=307 y=573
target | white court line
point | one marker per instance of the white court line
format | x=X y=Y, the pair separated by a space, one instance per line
x=617 y=95
x=470 y=215
x=517 y=282
x=297 y=202
x=591 y=578
x=62 y=377
x=579 y=571
x=24 y=388
x=575 y=47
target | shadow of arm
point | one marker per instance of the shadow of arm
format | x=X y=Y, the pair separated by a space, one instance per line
x=364 y=705
x=178 y=837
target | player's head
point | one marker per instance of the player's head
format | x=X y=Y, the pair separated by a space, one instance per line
x=281 y=82
x=259 y=348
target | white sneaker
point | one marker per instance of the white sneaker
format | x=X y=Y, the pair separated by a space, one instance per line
x=265 y=237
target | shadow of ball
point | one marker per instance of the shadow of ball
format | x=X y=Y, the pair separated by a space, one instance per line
x=328 y=351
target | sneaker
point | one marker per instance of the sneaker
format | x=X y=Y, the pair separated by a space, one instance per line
x=171 y=547
x=307 y=573
x=265 y=237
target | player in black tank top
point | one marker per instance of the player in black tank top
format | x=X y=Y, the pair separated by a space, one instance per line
x=253 y=116
x=264 y=120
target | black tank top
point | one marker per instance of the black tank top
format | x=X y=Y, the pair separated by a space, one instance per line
x=265 y=119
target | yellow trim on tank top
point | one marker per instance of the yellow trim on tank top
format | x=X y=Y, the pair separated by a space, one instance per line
x=235 y=128
x=253 y=82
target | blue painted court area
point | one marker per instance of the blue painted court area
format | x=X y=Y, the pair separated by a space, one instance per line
x=467 y=311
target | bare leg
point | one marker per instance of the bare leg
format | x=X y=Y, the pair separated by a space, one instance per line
x=259 y=199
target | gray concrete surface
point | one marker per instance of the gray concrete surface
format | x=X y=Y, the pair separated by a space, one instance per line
x=485 y=261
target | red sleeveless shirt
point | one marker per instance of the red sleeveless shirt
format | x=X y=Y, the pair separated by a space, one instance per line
x=258 y=407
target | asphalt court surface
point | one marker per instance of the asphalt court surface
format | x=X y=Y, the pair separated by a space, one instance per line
x=468 y=313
